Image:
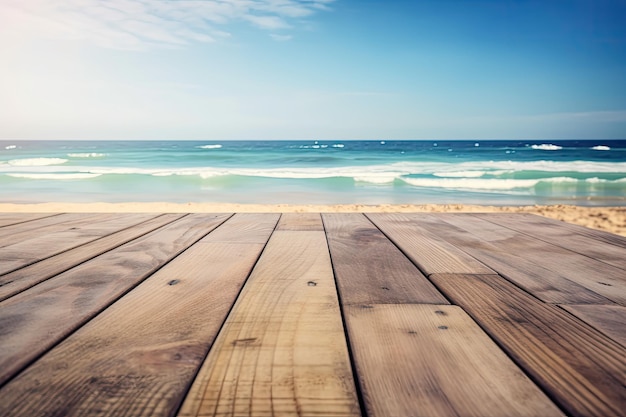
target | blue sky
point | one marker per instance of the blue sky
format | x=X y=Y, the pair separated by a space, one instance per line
x=312 y=69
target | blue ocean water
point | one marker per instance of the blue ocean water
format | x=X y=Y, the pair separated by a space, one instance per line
x=316 y=172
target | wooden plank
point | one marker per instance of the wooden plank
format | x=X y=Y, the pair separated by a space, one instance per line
x=8 y=219
x=429 y=360
x=282 y=350
x=251 y=225
x=23 y=278
x=546 y=284
x=568 y=228
x=599 y=277
x=27 y=252
x=34 y=224
x=300 y=221
x=429 y=252
x=74 y=221
x=35 y=320
x=582 y=370
x=139 y=356
x=369 y=269
x=610 y=320
x=554 y=233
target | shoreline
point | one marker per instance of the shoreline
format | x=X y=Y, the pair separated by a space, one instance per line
x=609 y=219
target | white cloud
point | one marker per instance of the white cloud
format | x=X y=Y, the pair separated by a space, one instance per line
x=281 y=38
x=141 y=24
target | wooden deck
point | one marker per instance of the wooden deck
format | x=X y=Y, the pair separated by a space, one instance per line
x=311 y=315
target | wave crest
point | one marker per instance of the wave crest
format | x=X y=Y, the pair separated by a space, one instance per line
x=37 y=162
x=547 y=147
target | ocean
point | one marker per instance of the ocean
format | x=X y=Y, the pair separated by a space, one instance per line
x=490 y=172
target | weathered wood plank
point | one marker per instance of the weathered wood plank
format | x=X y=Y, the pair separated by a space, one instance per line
x=556 y=234
x=599 y=277
x=138 y=357
x=431 y=253
x=8 y=219
x=429 y=360
x=581 y=369
x=23 y=278
x=546 y=284
x=252 y=226
x=33 y=250
x=72 y=221
x=282 y=350
x=33 y=321
x=369 y=269
x=35 y=224
x=567 y=228
x=610 y=320
x=300 y=221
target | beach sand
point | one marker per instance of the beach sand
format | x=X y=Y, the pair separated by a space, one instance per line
x=610 y=219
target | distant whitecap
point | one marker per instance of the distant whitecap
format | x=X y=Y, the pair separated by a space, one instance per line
x=86 y=155
x=547 y=147
x=601 y=148
x=210 y=146
x=37 y=162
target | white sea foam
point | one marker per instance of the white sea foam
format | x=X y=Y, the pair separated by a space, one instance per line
x=75 y=176
x=210 y=146
x=376 y=179
x=460 y=174
x=36 y=162
x=9 y=147
x=547 y=147
x=338 y=145
x=601 y=148
x=484 y=184
x=470 y=183
x=86 y=155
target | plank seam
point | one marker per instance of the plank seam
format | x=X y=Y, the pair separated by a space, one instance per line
x=504 y=275
x=32 y=220
x=574 y=316
x=357 y=383
x=85 y=243
x=91 y=257
x=503 y=348
x=551 y=243
x=409 y=258
x=185 y=391
x=80 y=324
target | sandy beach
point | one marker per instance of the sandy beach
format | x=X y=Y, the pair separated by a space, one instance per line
x=609 y=219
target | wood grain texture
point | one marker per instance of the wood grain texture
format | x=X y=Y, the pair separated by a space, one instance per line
x=27 y=252
x=139 y=356
x=370 y=269
x=554 y=233
x=72 y=221
x=8 y=219
x=33 y=321
x=23 y=278
x=571 y=228
x=431 y=253
x=582 y=370
x=282 y=350
x=599 y=277
x=10 y=234
x=429 y=360
x=245 y=227
x=546 y=284
x=300 y=221
x=610 y=320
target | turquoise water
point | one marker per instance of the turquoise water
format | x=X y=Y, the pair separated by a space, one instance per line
x=316 y=172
